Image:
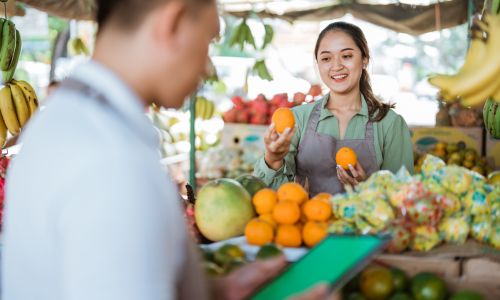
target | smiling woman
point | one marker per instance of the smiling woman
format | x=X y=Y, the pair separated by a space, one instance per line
x=349 y=116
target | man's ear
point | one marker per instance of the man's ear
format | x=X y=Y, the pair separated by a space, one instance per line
x=167 y=22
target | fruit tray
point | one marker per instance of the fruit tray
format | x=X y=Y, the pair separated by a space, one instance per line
x=291 y=254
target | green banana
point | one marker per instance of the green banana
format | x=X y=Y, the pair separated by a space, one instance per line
x=2 y=21
x=486 y=110
x=9 y=74
x=20 y=103
x=8 y=45
x=3 y=132
x=8 y=111
x=268 y=36
x=29 y=94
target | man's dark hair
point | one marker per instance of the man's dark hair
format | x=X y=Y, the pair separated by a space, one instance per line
x=128 y=14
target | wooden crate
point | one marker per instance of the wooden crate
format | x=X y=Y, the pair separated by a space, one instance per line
x=480 y=274
x=412 y=265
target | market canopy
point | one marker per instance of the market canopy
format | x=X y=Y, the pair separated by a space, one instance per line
x=402 y=16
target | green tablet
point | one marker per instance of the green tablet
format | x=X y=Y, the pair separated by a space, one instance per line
x=335 y=261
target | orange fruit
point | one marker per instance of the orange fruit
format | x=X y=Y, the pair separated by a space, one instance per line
x=269 y=219
x=345 y=157
x=288 y=236
x=323 y=197
x=292 y=191
x=264 y=201
x=314 y=232
x=283 y=118
x=286 y=212
x=259 y=232
x=317 y=210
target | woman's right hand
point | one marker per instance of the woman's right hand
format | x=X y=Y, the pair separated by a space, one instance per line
x=277 y=146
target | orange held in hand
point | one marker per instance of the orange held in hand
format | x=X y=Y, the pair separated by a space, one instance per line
x=292 y=191
x=345 y=157
x=282 y=119
x=286 y=212
x=265 y=200
x=259 y=232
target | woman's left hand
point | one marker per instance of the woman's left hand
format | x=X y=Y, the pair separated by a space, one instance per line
x=357 y=172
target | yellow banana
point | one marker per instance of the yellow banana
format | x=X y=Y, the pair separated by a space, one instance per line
x=481 y=96
x=487 y=71
x=474 y=56
x=496 y=95
x=20 y=103
x=3 y=132
x=29 y=94
x=8 y=111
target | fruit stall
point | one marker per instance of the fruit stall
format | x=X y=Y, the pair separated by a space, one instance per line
x=443 y=220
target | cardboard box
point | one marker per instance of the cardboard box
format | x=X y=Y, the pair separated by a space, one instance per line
x=424 y=138
x=493 y=151
x=243 y=135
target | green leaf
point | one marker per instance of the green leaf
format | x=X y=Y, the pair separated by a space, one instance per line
x=269 y=35
x=261 y=70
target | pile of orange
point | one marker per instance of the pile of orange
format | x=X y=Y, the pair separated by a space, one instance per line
x=288 y=217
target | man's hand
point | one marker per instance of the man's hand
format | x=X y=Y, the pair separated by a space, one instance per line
x=243 y=282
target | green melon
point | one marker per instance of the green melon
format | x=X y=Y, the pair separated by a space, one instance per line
x=251 y=183
x=222 y=210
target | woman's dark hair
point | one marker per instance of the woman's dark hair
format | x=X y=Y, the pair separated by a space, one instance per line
x=377 y=110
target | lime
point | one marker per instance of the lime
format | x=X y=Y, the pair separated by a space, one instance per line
x=268 y=251
x=401 y=296
x=376 y=283
x=225 y=254
x=427 y=286
x=355 y=296
x=466 y=295
x=399 y=280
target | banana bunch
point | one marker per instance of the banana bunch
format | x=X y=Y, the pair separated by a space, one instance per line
x=76 y=46
x=242 y=35
x=478 y=79
x=10 y=49
x=205 y=108
x=18 y=102
x=491 y=116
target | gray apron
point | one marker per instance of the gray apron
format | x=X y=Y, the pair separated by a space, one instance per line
x=315 y=159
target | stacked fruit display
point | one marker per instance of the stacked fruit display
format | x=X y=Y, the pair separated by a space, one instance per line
x=442 y=203
x=456 y=154
x=477 y=80
x=18 y=100
x=260 y=110
x=381 y=283
x=288 y=217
